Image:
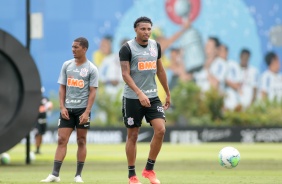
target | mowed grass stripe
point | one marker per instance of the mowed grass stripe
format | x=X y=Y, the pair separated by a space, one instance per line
x=177 y=164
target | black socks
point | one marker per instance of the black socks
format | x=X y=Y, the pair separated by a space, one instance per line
x=131 y=171
x=57 y=167
x=79 y=168
x=150 y=164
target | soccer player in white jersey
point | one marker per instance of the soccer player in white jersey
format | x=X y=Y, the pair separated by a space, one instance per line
x=241 y=82
x=271 y=80
x=78 y=84
x=250 y=77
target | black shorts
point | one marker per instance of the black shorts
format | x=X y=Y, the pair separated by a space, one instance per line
x=40 y=127
x=73 y=122
x=133 y=112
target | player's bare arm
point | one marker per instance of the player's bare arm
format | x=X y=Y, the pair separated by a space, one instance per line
x=163 y=80
x=167 y=43
x=62 y=96
x=92 y=94
x=125 y=69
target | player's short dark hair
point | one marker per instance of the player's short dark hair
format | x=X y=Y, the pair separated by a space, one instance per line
x=269 y=57
x=142 y=19
x=82 y=42
x=216 y=41
x=245 y=51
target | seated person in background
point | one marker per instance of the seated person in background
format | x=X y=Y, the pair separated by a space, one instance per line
x=271 y=80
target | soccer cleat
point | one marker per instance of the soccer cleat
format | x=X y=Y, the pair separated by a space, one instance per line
x=151 y=175
x=134 y=180
x=78 y=179
x=51 y=178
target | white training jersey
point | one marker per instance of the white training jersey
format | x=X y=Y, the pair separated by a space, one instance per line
x=217 y=69
x=247 y=77
x=271 y=83
x=250 y=79
x=232 y=98
x=201 y=79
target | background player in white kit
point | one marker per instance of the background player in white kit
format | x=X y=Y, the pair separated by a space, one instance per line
x=78 y=84
x=241 y=81
x=271 y=80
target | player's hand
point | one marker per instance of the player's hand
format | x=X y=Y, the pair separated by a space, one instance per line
x=65 y=114
x=167 y=103
x=84 y=118
x=144 y=100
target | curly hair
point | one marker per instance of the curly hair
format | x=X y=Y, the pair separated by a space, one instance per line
x=142 y=19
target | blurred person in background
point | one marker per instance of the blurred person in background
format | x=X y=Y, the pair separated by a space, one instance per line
x=140 y=60
x=78 y=84
x=110 y=73
x=231 y=99
x=241 y=83
x=41 y=124
x=233 y=81
x=249 y=77
x=213 y=73
x=105 y=49
x=271 y=79
x=177 y=67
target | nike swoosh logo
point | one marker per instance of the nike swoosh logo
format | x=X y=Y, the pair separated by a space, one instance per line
x=143 y=135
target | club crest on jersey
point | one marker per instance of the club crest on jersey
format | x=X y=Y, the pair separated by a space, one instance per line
x=83 y=72
x=153 y=51
x=130 y=121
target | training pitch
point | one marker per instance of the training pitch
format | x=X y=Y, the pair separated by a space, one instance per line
x=176 y=164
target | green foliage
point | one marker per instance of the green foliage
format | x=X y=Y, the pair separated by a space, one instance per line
x=192 y=108
x=109 y=107
x=264 y=113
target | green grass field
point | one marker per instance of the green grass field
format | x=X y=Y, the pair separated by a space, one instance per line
x=177 y=164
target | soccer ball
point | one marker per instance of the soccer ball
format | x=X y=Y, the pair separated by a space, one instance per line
x=5 y=158
x=229 y=157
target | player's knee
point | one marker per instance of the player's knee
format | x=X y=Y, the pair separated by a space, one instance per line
x=81 y=141
x=133 y=137
x=160 y=132
x=62 y=141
